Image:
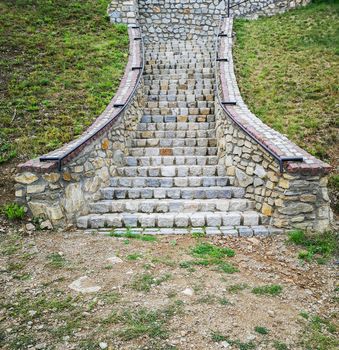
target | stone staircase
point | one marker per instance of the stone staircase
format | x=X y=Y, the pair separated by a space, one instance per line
x=172 y=177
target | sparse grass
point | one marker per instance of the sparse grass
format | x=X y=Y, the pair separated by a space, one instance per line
x=320 y=334
x=134 y=256
x=217 y=337
x=56 y=260
x=319 y=247
x=278 y=345
x=270 y=289
x=236 y=288
x=13 y=211
x=261 y=330
x=287 y=69
x=224 y=301
x=144 y=282
x=130 y=235
x=207 y=254
x=60 y=62
x=144 y=322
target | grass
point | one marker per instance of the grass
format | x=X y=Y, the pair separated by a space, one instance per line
x=144 y=282
x=140 y=322
x=217 y=337
x=60 y=63
x=130 y=235
x=134 y=256
x=261 y=330
x=207 y=254
x=319 y=247
x=56 y=260
x=287 y=70
x=236 y=288
x=13 y=211
x=320 y=334
x=270 y=289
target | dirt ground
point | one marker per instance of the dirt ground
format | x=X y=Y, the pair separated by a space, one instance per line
x=155 y=299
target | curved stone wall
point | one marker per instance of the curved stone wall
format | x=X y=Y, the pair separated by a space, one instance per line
x=295 y=198
x=63 y=195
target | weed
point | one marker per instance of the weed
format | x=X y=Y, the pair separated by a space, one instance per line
x=227 y=268
x=304 y=315
x=236 y=288
x=319 y=246
x=56 y=260
x=14 y=211
x=110 y=297
x=224 y=301
x=134 y=256
x=130 y=235
x=144 y=282
x=203 y=250
x=217 y=337
x=271 y=289
x=279 y=345
x=261 y=330
x=199 y=234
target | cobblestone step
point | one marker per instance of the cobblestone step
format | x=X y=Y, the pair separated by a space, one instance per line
x=171 y=206
x=171 y=160
x=169 y=220
x=181 y=104
x=173 y=192
x=172 y=171
x=200 y=142
x=188 y=181
x=158 y=134
x=231 y=231
x=172 y=151
x=175 y=126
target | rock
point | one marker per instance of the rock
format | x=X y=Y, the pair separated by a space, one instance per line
x=46 y=225
x=103 y=345
x=243 y=179
x=30 y=227
x=225 y=344
x=26 y=178
x=188 y=291
x=114 y=260
x=84 y=285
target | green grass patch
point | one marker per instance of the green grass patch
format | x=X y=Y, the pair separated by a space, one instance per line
x=13 y=211
x=261 y=330
x=319 y=247
x=320 y=334
x=56 y=260
x=207 y=254
x=130 y=235
x=144 y=282
x=270 y=289
x=236 y=288
x=61 y=62
x=287 y=70
x=134 y=256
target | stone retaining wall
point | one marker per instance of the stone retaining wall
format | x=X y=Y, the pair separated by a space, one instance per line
x=189 y=19
x=295 y=198
x=63 y=195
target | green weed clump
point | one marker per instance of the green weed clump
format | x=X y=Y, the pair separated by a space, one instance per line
x=319 y=247
x=270 y=289
x=14 y=211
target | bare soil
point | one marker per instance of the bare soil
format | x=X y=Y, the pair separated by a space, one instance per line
x=223 y=311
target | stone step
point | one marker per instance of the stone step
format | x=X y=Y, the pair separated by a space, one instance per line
x=207 y=74
x=182 y=134
x=167 y=182
x=177 y=69
x=179 y=126
x=162 y=91
x=172 y=151
x=230 y=231
x=208 y=109
x=213 y=192
x=171 y=160
x=171 y=206
x=182 y=98
x=172 y=118
x=172 y=171
x=196 y=219
x=201 y=142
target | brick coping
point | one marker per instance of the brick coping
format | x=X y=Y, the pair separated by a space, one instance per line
x=106 y=119
x=275 y=142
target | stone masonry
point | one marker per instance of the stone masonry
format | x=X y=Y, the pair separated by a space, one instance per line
x=175 y=158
